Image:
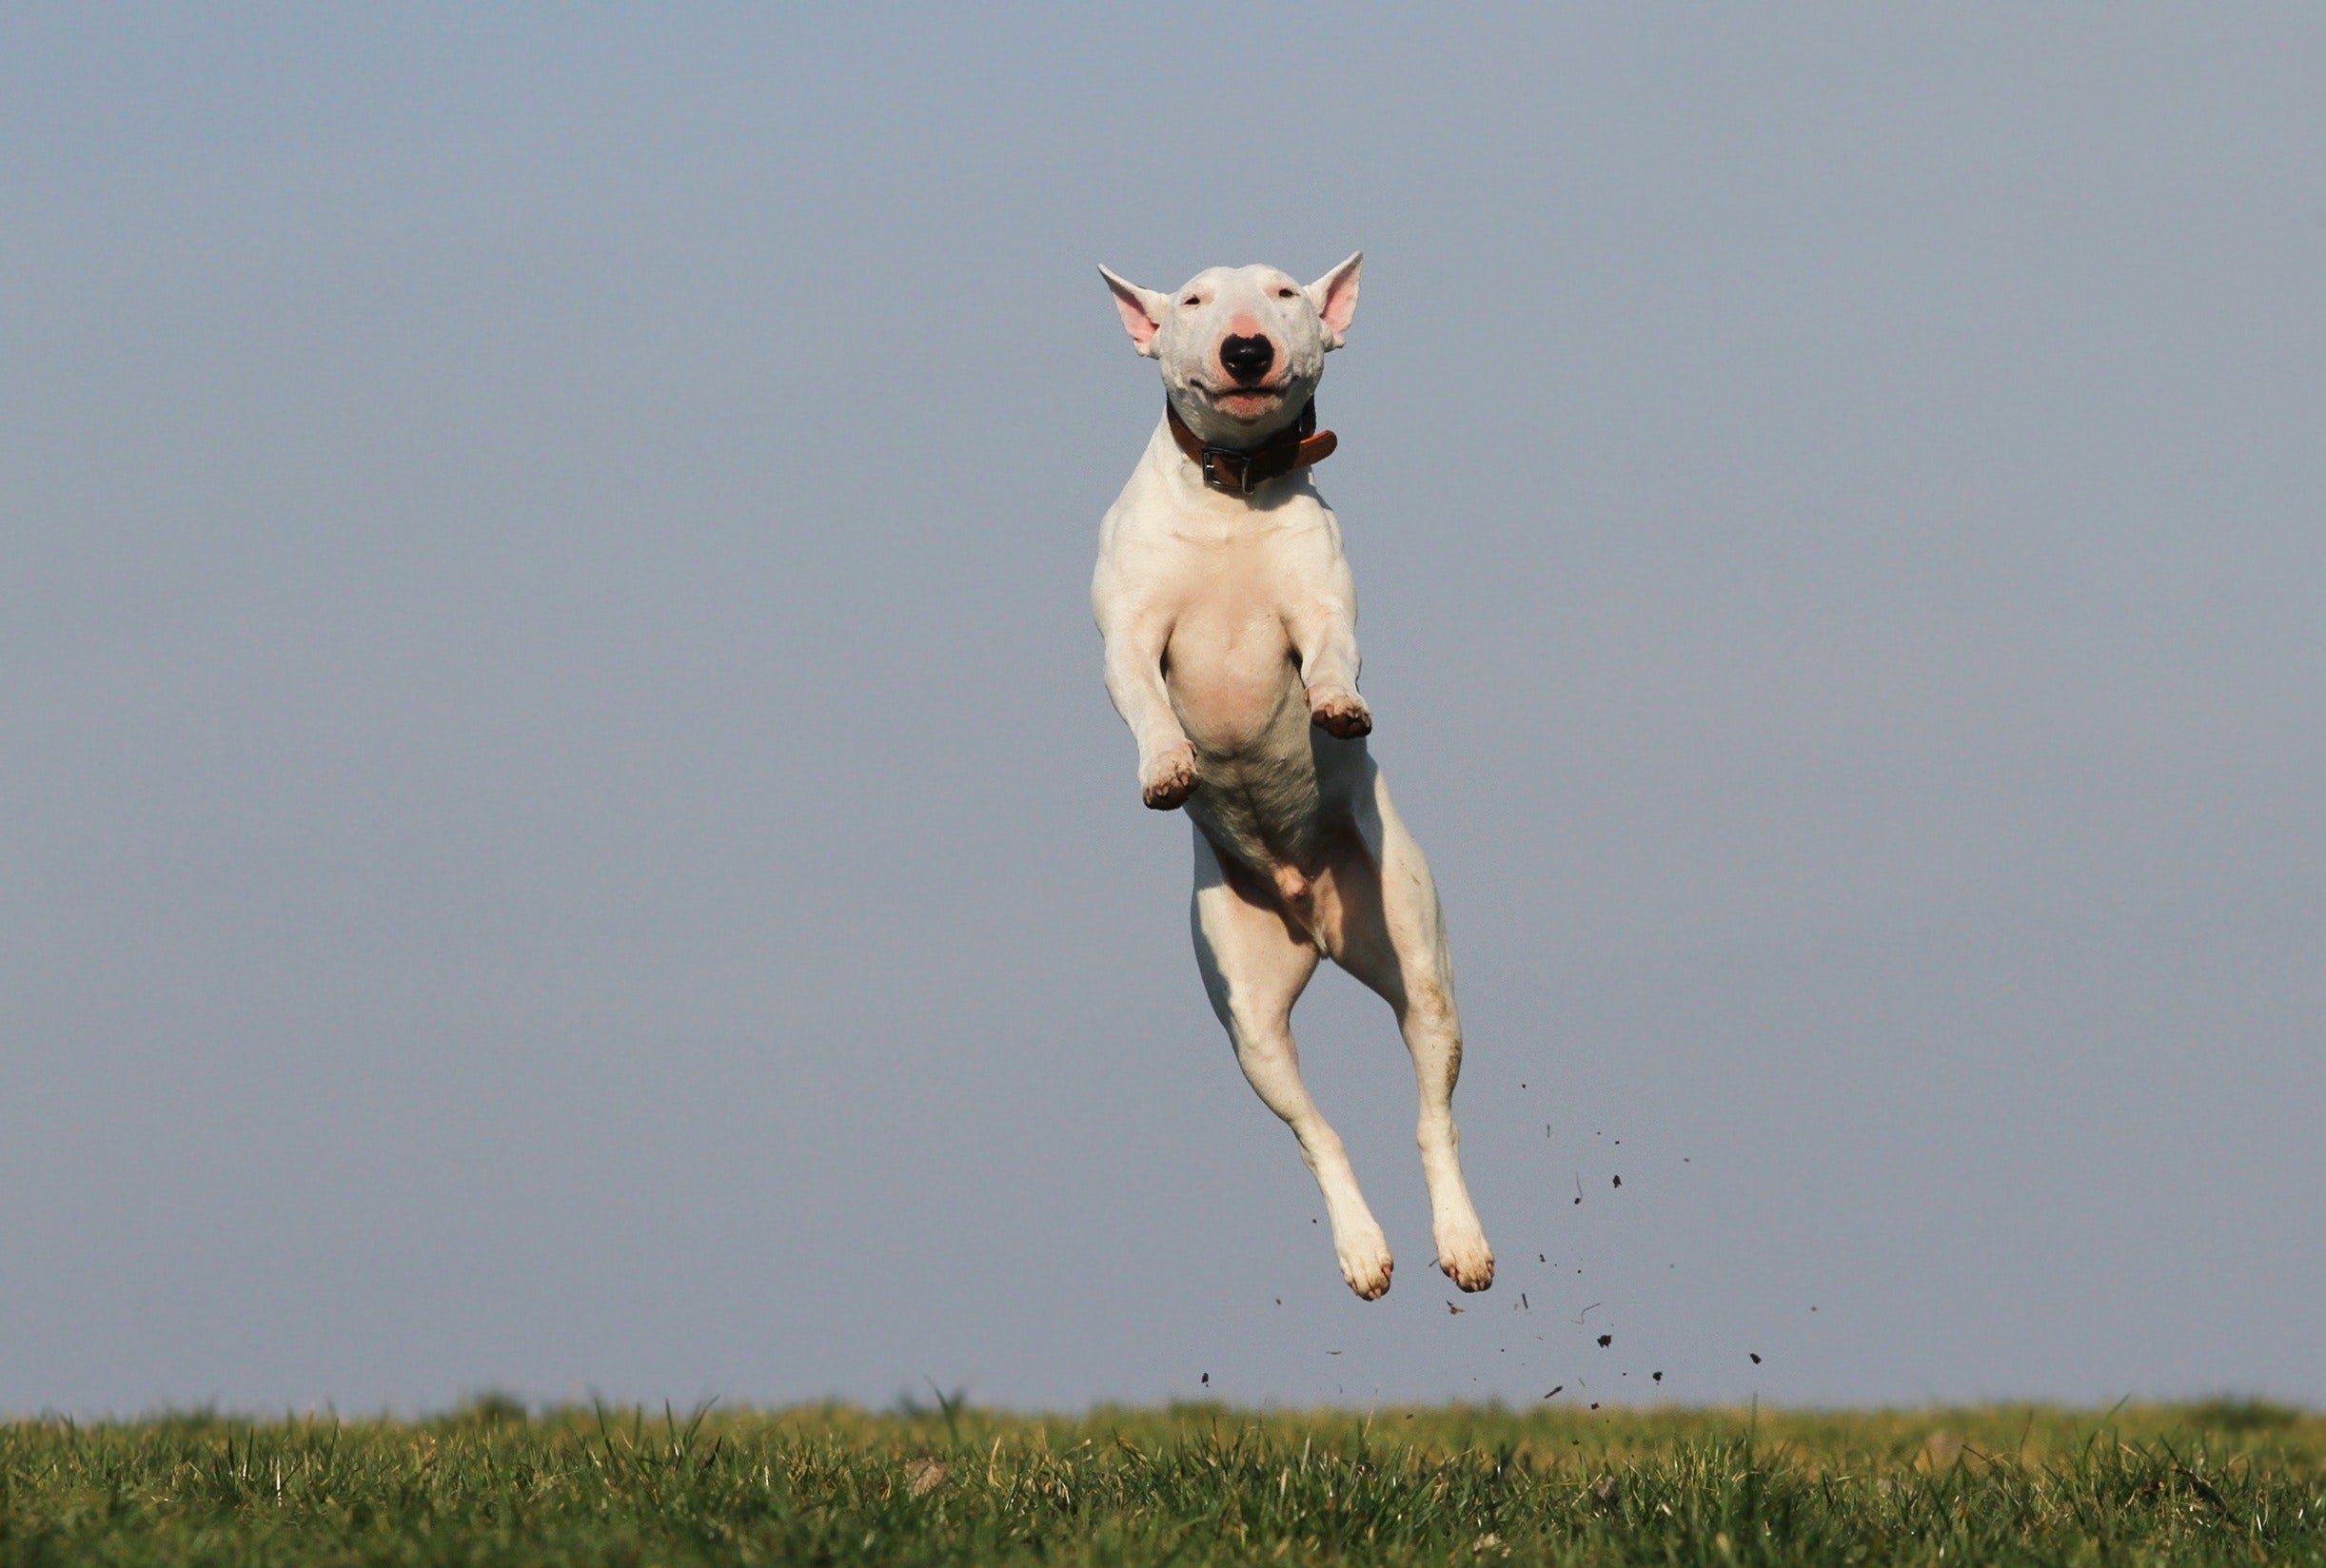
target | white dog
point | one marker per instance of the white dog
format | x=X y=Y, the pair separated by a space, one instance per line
x=1229 y=620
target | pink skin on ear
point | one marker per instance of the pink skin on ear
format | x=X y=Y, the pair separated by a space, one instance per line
x=1141 y=309
x=1335 y=296
x=1136 y=322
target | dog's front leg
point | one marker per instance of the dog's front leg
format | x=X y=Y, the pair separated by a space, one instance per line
x=1134 y=680
x=1325 y=637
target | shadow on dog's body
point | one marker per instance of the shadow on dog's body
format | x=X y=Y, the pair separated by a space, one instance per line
x=1230 y=617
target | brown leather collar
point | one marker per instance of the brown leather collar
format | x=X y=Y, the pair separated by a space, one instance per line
x=1235 y=473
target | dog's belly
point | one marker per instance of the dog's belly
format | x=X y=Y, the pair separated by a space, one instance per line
x=1238 y=695
x=1265 y=814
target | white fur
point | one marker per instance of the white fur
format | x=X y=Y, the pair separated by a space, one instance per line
x=1231 y=653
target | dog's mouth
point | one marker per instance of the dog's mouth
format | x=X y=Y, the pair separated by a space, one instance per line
x=1236 y=398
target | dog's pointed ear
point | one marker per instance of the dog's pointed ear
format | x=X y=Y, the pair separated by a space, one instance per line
x=1142 y=310
x=1335 y=298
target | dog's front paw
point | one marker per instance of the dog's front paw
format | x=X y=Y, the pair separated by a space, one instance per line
x=1338 y=711
x=1167 y=778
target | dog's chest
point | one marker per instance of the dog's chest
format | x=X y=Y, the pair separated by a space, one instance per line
x=1230 y=665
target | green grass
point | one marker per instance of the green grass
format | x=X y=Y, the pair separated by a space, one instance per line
x=2222 y=1483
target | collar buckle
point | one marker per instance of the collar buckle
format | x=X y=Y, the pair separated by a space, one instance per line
x=1208 y=461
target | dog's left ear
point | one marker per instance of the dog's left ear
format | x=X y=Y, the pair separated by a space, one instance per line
x=1335 y=298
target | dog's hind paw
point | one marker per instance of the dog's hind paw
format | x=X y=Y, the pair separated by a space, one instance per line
x=1366 y=1266
x=1468 y=1261
x=1167 y=781
x=1340 y=712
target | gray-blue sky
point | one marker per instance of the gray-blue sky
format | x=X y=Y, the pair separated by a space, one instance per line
x=562 y=830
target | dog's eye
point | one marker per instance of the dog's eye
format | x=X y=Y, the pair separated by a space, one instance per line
x=1287 y=293
x=1193 y=298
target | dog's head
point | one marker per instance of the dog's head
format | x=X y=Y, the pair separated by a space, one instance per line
x=1242 y=347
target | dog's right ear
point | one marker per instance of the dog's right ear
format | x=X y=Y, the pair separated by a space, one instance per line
x=1142 y=310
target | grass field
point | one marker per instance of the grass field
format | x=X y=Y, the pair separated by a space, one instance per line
x=2225 y=1482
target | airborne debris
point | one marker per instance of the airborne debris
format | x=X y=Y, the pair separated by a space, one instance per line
x=1559 y=1389
x=1457 y=1311
x=1756 y=1357
x=1606 y=1339
x=1618 y=1181
x=1656 y=1376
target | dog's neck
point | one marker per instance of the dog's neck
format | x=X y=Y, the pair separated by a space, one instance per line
x=1238 y=471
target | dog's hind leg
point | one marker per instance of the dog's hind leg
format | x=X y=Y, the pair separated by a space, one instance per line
x=1389 y=933
x=1255 y=963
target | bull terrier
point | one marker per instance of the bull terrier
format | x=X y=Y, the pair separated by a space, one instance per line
x=1229 y=620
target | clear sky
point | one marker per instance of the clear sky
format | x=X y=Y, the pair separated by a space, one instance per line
x=559 y=830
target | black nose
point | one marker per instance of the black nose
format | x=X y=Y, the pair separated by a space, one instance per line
x=1247 y=359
